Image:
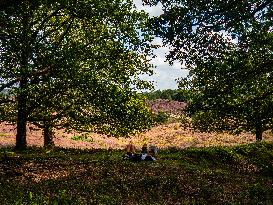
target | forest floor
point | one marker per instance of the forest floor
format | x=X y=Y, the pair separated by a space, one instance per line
x=61 y=176
x=163 y=136
x=191 y=168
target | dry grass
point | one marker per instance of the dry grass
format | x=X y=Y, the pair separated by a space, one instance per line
x=164 y=136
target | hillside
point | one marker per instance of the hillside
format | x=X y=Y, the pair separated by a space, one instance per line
x=171 y=107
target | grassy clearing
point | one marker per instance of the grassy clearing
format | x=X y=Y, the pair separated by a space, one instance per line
x=215 y=175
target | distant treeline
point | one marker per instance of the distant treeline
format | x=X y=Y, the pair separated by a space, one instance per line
x=169 y=94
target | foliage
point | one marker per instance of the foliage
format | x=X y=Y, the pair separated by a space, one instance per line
x=186 y=122
x=227 y=46
x=195 y=176
x=82 y=138
x=73 y=60
x=160 y=118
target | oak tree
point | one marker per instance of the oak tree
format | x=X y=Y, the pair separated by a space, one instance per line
x=227 y=47
x=70 y=57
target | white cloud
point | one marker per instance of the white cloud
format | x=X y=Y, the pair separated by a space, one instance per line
x=164 y=75
x=153 y=11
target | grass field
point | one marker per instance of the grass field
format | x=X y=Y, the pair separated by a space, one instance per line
x=214 y=175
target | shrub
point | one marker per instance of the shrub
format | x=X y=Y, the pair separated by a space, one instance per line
x=84 y=138
x=160 y=118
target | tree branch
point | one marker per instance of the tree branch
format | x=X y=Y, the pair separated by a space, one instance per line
x=9 y=84
x=2 y=101
x=71 y=19
x=45 y=20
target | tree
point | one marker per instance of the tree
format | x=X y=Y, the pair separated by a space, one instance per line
x=4 y=4
x=65 y=51
x=102 y=108
x=227 y=46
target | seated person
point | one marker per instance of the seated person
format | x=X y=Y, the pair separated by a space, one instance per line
x=154 y=148
x=151 y=154
x=144 y=149
x=130 y=151
x=148 y=155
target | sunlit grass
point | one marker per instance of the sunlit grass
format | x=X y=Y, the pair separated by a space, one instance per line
x=4 y=134
x=84 y=138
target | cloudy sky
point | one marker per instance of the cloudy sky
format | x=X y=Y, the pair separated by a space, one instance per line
x=164 y=75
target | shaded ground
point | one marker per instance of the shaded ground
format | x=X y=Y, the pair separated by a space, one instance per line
x=216 y=175
x=164 y=136
x=184 y=173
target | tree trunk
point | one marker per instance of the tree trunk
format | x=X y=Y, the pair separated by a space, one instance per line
x=21 y=140
x=48 y=135
x=22 y=115
x=259 y=133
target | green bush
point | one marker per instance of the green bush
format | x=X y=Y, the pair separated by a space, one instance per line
x=160 y=118
x=82 y=138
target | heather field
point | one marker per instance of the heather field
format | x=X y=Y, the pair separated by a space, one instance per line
x=168 y=106
x=164 y=136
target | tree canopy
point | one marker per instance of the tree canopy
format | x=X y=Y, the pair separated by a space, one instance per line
x=227 y=46
x=74 y=61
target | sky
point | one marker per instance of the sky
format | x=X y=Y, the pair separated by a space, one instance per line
x=164 y=75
